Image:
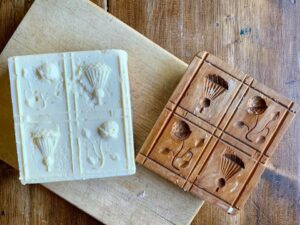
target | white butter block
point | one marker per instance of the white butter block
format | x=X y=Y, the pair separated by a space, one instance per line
x=72 y=115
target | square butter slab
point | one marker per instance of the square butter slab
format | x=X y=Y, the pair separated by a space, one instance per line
x=72 y=115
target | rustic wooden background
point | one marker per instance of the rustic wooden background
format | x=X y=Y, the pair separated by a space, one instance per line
x=260 y=37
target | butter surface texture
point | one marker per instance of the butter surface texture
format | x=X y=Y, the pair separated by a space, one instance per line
x=72 y=115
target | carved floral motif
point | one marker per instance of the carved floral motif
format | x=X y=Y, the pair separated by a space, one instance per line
x=256 y=106
x=106 y=130
x=94 y=149
x=181 y=156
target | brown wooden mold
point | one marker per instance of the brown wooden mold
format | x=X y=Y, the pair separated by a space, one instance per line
x=216 y=133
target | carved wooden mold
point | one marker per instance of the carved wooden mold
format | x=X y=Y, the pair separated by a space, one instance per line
x=216 y=133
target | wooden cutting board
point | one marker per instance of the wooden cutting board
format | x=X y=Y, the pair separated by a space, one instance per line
x=70 y=25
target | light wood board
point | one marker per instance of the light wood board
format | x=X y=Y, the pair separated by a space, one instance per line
x=258 y=37
x=55 y=26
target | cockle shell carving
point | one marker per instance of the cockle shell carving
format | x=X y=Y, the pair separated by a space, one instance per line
x=256 y=105
x=182 y=155
x=109 y=129
x=230 y=165
x=49 y=72
x=46 y=141
x=214 y=86
x=180 y=130
x=97 y=76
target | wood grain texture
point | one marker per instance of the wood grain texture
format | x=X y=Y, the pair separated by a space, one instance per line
x=34 y=205
x=58 y=26
x=259 y=37
x=102 y=3
x=217 y=132
x=11 y=14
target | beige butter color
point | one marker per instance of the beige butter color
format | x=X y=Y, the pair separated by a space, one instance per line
x=78 y=92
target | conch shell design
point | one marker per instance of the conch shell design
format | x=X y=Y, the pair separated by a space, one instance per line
x=214 y=86
x=46 y=141
x=97 y=76
x=230 y=165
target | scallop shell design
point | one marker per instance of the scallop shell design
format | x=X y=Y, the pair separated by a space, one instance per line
x=97 y=76
x=180 y=130
x=230 y=165
x=46 y=142
x=256 y=105
x=214 y=86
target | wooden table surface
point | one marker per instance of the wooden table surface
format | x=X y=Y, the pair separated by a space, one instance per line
x=261 y=38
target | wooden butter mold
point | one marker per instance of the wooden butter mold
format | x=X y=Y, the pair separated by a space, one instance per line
x=216 y=133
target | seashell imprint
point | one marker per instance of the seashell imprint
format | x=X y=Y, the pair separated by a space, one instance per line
x=256 y=106
x=109 y=129
x=49 y=72
x=95 y=155
x=181 y=156
x=230 y=165
x=46 y=141
x=97 y=76
x=214 y=86
x=180 y=130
